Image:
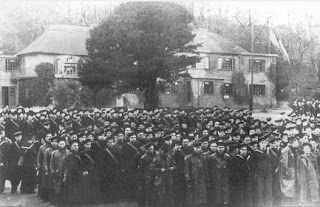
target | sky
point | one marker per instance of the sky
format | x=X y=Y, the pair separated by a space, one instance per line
x=261 y=9
x=281 y=12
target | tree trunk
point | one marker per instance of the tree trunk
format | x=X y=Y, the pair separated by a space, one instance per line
x=151 y=95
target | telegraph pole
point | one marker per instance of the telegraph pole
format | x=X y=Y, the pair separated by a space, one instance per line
x=252 y=64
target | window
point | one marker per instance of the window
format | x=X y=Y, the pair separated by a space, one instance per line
x=174 y=88
x=57 y=66
x=171 y=88
x=259 y=90
x=227 y=89
x=70 y=66
x=203 y=64
x=208 y=87
x=226 y=63
x=257 y=65
x=10 y=64
x=27 y=91
x=12 y=91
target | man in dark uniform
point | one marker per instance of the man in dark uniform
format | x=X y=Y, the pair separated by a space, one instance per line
x=76 y=123
x=54 y=126
x=11 y=126
x=40 y=164
x=263 y=166
x=4 y=146
x=15 y=154
x=28 y=183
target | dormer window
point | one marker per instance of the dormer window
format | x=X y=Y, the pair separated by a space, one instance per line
x=226 y=64
x=70 y=66
x=203 y=64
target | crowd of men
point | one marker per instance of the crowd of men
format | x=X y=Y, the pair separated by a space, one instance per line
x=165 y=157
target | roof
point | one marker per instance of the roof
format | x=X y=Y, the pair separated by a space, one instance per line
x=8 y=56
x=60 y=39
x=214 y=43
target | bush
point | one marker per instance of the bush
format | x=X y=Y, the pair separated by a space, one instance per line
x=70 y=94
x=239 y=88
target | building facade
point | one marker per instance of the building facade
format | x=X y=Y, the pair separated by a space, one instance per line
x=61 y=45
x=8 y=90
x=210 y=82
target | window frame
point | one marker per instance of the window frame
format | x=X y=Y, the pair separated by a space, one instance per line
x=70 y=64
x=258 y=90
x=229 y=90
x=10 y=64
x=207 y=90
x=222 y=63
x=255 y=67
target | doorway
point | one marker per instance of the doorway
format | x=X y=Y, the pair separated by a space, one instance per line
x=5 y=96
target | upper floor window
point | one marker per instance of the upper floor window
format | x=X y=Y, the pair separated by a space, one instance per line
x=257 y=65
x=208 y=87
x=10 y=64
x=70 y=66
x=226 y=63
x=203 y=64
x=57 y=66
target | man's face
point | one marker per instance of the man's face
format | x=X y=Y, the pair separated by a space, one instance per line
x=243 y=151
x=48 y=137
x=18 y=138
x=220 y=149
x=204 y=145
x=133 y=125
x=285 y=139
x=213 y=147
x=205 y=133
x=74 y=137
x=247 y=140
x=236 y=138
x=304 y=139
x=127 y=131
x=307 y=149
x=197 y=149
x=54 y=144
x=252 y=131
x=151 y=149
x=62 y=144
x=185 y=142
x=295 y=144
x=74 y=147
x=110 y=143
x=133 y=138
x=263 y=144
x=120 y=137
x=314 y=144
x=87 y=146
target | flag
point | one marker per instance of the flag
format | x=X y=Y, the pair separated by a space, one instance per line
x=276 y=41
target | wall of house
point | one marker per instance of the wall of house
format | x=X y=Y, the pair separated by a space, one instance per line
x=219 y=77
x=30 y=61
x=6 y=81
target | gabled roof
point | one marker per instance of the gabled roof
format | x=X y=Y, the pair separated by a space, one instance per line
x=214 y=43
x=60 y=39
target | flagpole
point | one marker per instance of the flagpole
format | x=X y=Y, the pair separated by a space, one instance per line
x=252 y=64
